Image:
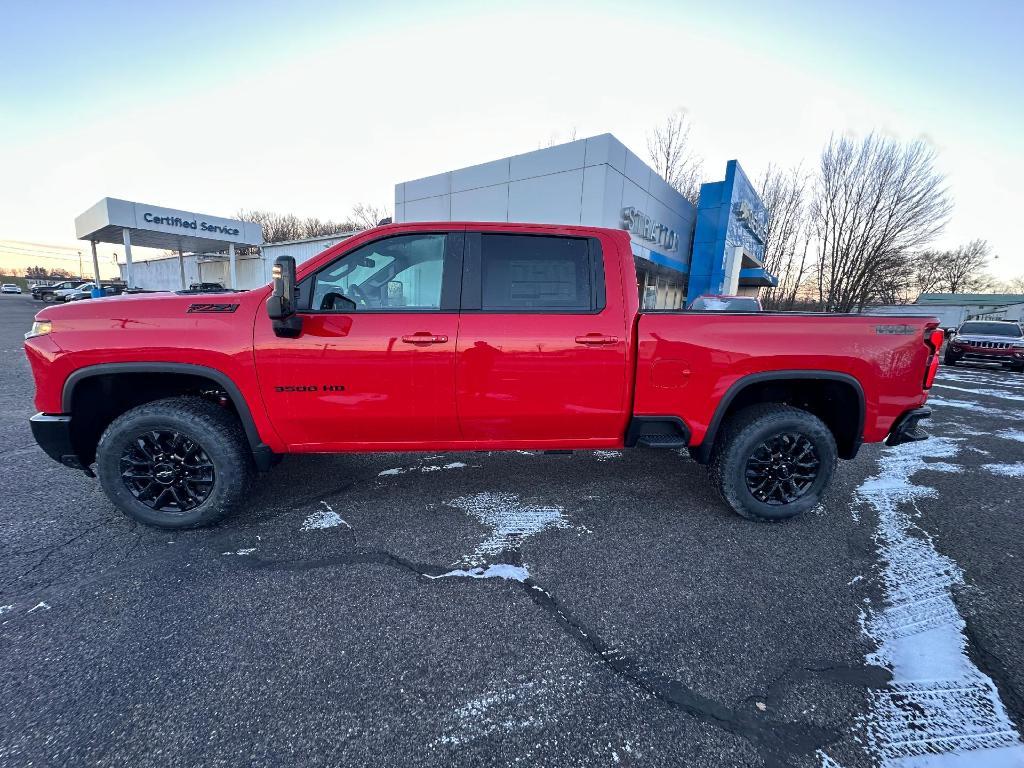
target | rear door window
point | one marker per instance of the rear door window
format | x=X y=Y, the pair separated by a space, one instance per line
x=536 y=273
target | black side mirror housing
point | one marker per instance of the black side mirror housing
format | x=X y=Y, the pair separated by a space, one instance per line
x=281 y=302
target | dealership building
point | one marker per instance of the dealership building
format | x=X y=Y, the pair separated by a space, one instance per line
x=681 y=250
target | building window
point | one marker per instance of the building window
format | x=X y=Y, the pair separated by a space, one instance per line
x=529 y=272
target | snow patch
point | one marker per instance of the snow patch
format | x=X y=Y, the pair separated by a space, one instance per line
x=39 y=607
x=606 y=455
x=939 y=710
x=972 y=406
x=1010 y=470
x=241 y=552
x=323 y=518
x=1011 y=434
x=509 y=519
x=422 y=468
x=511 y=708
x=1002 y=394
x=825 y=761
x=6 y=609
x=495 y=571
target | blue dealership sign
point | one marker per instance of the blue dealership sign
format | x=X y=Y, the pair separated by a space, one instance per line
x=729 y=240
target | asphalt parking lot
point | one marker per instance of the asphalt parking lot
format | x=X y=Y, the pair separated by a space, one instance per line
x=522 y=609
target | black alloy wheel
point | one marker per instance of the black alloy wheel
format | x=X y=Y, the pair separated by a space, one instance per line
x=167 y=471
x=782 y=469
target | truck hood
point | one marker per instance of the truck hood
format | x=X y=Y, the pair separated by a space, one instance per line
x=142 y=306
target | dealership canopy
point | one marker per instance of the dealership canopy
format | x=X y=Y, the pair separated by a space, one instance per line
x=151 y=226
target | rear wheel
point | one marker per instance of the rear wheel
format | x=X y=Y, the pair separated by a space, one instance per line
x=773 y=461
x=182 y=462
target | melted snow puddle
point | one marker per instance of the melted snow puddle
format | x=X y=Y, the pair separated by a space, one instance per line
x=325 y=517
x=940 y=710
x=421 y=468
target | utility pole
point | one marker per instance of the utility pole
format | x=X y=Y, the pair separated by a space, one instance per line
x=80 y=262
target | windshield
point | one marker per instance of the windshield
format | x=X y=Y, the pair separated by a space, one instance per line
x=991 y=329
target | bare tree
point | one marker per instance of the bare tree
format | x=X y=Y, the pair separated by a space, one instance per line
x=964 y=268
x=787 y=234
x=365 y=216
x=1014 y=285
x=928 y=271
x=556 y=137
x=877 y=201
x=669 y=148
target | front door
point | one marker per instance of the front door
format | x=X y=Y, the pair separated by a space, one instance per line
x=543 y=343
x=374 y=366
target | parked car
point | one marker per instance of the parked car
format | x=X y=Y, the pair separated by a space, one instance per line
x=726 y=303
x=989 y=341
x=459 y=337
x=86 y=293
x=64 y=293
x=10 y=288
x=207 y=287
x=47 y=293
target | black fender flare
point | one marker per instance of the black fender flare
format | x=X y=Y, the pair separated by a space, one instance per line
x=702 y=452
x=262 y=453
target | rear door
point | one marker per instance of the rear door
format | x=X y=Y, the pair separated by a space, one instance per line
x=542 y=349
x=374 y=366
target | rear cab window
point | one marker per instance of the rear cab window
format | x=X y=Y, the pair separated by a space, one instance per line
x=533 y=273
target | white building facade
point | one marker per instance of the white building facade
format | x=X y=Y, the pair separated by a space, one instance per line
x=595 y=181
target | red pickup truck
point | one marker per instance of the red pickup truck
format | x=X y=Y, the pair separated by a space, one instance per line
x=462 y=336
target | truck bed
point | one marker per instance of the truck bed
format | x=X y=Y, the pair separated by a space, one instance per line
x=688 y=362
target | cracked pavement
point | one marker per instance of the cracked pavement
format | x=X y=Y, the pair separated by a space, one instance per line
x=654 y=628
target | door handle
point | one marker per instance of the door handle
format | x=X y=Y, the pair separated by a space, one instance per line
x=597 y=338
x=424 y=338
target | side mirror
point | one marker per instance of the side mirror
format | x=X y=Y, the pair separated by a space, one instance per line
x=281 y=302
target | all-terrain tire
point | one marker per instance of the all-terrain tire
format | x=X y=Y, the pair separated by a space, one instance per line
x=220 y=437
x=743 y=434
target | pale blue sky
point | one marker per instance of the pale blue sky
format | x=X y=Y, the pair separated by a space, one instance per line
x=312 y=106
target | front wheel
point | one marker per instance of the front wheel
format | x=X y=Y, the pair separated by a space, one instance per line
x=950 y=359
x=182 y=462
x=773 y=461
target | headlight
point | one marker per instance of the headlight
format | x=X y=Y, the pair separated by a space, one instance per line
x=39 y=328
